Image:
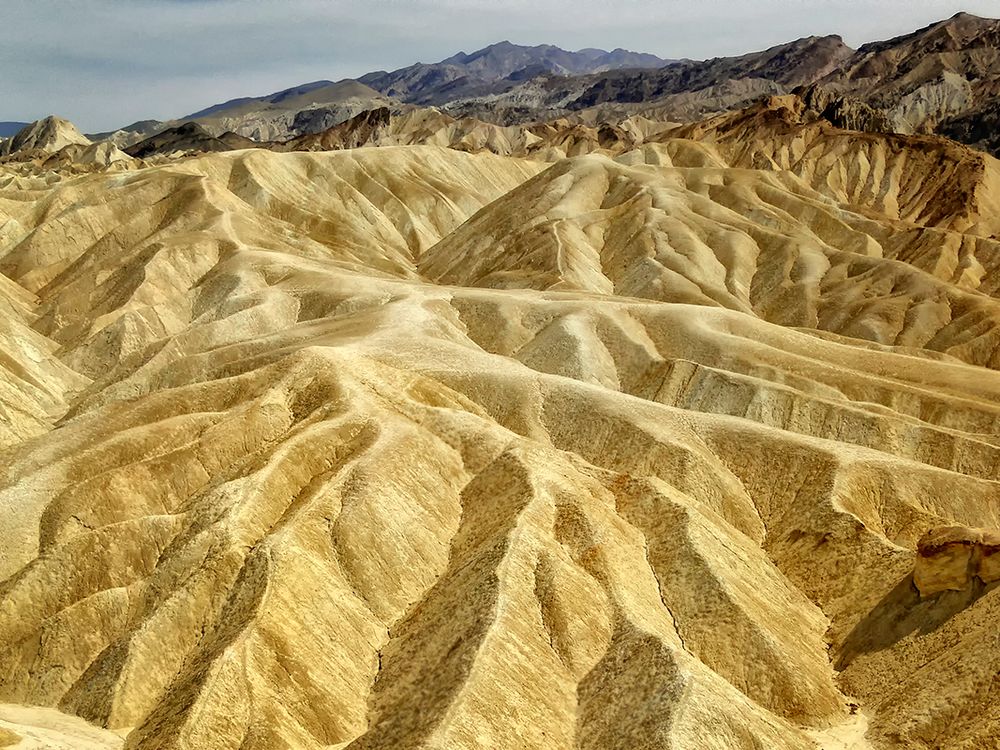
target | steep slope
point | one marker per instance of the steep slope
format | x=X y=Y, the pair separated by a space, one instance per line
x=35 y=387
x=939 y=72
x=979 y=127
x=379 y=127
x=744 y=241
x=166 y=228
x=409 y=447
x=927 y=181
x=428 y=126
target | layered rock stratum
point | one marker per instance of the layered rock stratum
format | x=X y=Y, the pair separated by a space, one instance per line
x=563 y=437
x=955 y=558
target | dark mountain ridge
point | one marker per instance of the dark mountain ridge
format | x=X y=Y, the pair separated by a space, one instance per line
x=943 y=78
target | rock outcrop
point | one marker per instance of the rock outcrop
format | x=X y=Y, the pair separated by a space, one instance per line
x=920 y=79
x=50 y=135
x=103 y=154
x=843 y=112
x=951 y=558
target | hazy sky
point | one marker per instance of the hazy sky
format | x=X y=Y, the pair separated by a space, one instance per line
x=106 y=63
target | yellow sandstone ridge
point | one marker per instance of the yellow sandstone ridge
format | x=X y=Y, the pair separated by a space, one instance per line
x=409 y=447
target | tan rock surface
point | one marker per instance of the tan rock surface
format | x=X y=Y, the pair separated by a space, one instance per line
x=409 y=447
x=47 y=729
x=953 y=558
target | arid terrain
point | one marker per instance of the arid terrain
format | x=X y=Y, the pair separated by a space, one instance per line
x=942 y=79
x=424 y=431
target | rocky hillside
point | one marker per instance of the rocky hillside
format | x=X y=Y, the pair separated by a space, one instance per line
x=801 y=62
x=48 y=135
x=942 y=79
x=495 y=68
x=922 y=79
x=295 y=110
x=650 y=446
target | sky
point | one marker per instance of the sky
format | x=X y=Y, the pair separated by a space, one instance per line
x=106 y=63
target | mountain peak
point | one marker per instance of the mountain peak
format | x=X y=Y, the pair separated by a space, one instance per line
x=967 y=19
x=48 y=134
x=961 y=29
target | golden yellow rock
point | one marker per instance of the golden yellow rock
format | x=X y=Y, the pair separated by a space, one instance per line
x=411 y=447
x=952 y=557
x=32 y=727
x=988 y=570
x=947 y=559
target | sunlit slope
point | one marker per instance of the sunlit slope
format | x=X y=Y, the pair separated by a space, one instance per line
x=925 y=180
x=408 y=447
x=759 y=242
x=114 y=258
x=35 y=387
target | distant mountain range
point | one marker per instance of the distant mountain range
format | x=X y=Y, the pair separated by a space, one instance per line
x=944 y=78
x=313 y=107
x=497 y=69
x=7 y=129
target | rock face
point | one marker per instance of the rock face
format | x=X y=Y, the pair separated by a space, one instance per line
x=979 y=127
x=426 y=126
x=935 y=73
x=797 y=63
x=843 y=111
x=950 y=558
x=367 y=128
